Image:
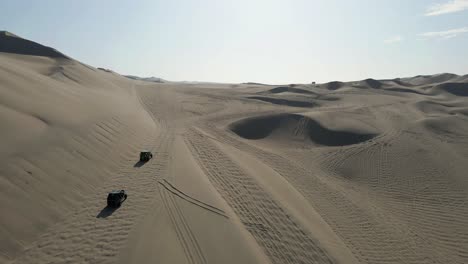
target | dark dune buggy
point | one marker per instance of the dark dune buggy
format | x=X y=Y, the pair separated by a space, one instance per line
x=116 y=198
x=145 y=156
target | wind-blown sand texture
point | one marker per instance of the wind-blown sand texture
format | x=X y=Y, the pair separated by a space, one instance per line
x=371 y=171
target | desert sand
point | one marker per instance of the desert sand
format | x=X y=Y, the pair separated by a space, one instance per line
x=371 y=171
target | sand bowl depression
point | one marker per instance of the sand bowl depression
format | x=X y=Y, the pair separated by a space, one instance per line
x=294 y=125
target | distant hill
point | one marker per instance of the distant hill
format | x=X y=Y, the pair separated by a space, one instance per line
x=430 y=79
x=419 y=80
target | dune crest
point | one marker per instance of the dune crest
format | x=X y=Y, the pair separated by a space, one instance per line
x=10 y=43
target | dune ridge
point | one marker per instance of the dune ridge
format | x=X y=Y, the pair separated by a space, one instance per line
x=283 y=89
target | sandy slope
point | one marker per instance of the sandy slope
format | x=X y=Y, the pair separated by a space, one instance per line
x=371 y=171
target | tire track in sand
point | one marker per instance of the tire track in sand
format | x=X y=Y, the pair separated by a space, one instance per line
x=373 y=237
x=172 y=189
x=183 y=231
x=277 y=233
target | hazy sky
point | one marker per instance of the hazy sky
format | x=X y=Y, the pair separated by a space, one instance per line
x=267 y=41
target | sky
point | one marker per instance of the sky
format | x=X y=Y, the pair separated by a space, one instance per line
x=268 y=41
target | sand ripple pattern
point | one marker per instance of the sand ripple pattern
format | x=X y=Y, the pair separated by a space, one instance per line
x=95 y=234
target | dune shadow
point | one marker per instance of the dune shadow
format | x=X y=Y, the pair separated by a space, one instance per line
x=10 y=43
x=460 y=89
x=283 y=89
x=106 y=212
x=334 y=85
x=286 y=102
x=139 y=164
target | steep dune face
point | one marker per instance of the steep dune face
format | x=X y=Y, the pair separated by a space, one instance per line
x=11 y=43
x=65 y=129
x=458 y=89
x=287 y=127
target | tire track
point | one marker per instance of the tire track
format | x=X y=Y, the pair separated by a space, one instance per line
x=361 y=231
x=169 y=187
x=184 y=234
x=280 y=236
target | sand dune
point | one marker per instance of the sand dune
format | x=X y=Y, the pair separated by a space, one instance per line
x=463 y=79
x=371 y=171
x=333 y=85
x=430 y=79
x=370 y=83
